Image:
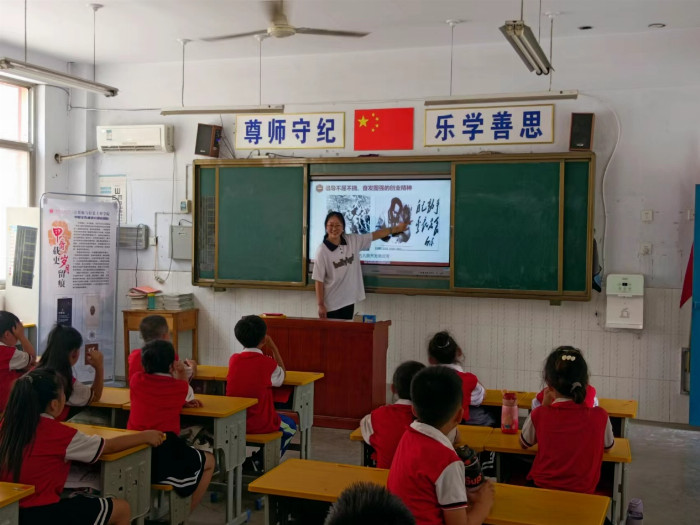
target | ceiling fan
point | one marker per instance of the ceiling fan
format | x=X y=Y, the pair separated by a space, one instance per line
x=280 y=27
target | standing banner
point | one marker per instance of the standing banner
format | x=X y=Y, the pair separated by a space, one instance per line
x=78 y=274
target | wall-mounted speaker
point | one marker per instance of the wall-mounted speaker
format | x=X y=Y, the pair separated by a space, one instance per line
x=208 y=137
x=581 y=138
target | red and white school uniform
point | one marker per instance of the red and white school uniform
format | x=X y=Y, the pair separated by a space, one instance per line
x=46 y=463
x=427 y=475
x=384 y=427
x=79 y=397
x=472 y=391
x=12 y=360
x=590 y=400
x=156 y=402
x=571 y=440
x=253 y=374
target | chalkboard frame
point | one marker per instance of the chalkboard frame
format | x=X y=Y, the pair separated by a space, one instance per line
x=562 y=157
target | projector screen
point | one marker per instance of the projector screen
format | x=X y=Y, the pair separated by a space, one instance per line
x=369 y=205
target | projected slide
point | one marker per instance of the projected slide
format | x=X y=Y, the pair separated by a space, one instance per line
x=369 y=205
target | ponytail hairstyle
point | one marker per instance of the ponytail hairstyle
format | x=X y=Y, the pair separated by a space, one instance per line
x=566 y=371
x=338 y=216
x=62 y=341
x=443 y=348
x=30 y=396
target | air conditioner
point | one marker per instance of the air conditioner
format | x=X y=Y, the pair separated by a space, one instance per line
x=156 y=138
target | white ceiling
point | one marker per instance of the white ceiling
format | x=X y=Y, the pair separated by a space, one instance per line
x=147 y=30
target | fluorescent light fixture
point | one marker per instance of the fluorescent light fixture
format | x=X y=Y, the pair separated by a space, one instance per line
x=218 y=110
x=18 y=70
x=525 y=44
x=502 y=97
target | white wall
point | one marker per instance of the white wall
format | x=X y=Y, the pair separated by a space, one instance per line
x=650 y=82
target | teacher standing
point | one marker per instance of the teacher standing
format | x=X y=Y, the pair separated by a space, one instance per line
x=337 y=270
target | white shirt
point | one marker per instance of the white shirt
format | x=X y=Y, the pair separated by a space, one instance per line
x=340 y=271
x=479 y=391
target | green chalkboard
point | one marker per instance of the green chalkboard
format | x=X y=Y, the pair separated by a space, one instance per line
x=506 y=226
x=577 y=270
x=205 y=221
x=261 y=218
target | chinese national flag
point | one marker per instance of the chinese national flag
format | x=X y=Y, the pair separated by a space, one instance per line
x=382 y=129
x=687 y=291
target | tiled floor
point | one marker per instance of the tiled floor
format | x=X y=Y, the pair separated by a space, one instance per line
x=665 y=473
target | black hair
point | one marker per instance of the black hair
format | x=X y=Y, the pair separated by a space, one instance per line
x=403 y=375
x=8 y=321
x=566 y=371
x=31 y=395
x=62 y=341
x=338 y=216
x=368 y=504
x=443 y=348
x=157 y=356
x=153 y=327
x=436 y=392
x=250 y=331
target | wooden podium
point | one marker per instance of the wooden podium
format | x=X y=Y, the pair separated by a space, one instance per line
x=351 y=355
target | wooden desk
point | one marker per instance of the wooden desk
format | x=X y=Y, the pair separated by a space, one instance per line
x=125 y=474
x=227 y=415
x=474 y=437
x=319 y=481
x=351 y=355
x=178 y=321
x=113 y=399
x=302 y=399
x=10 y=494
x=620 y=454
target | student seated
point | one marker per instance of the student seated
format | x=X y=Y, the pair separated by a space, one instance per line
x=591 y=400
x=61 y=354
x=157 y=397
x=36 y=449
x=12 y=359
x=571 y=436
x=368 y=504
x=251 y=373
x=154 y=328
x=383 y=428
x=444 y=350
x=426 y=473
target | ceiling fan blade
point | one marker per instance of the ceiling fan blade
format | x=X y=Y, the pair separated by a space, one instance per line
x=329 y=32
x=237 y=35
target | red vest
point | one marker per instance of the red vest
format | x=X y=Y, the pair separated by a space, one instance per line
x=418 y=463
x=7 y=376
x=388 y=425
x=250 y=375
x=156 y=402
x=44 y=464
x=571 y=440
x=469 y=382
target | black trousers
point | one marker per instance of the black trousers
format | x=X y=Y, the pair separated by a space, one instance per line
x=346 y=312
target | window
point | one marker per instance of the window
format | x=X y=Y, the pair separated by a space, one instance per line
x=15 y=151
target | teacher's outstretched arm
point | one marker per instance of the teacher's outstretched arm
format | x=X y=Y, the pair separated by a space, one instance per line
x=319 y=299
x=384 y=232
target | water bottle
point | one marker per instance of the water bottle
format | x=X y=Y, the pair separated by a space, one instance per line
x=635 y=512
x=473 y=477
x=509 y=413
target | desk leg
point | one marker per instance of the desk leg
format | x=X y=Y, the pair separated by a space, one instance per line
x=9 y=514
x=303 y=405
x=129 y=478
x=229 y=439
x=616 y=504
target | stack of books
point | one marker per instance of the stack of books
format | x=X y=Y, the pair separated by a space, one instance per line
x=178 y=301
x=138 y=298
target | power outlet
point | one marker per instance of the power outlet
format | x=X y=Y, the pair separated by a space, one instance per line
x=152 y=241
x=186 y=206
x=647 y=215
x=644 y=248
